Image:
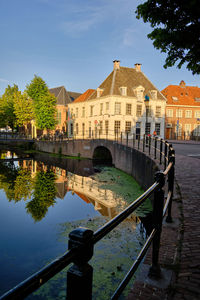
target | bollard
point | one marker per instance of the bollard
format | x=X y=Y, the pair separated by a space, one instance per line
x=171 y=185
x=158 y=204
x=79 y=276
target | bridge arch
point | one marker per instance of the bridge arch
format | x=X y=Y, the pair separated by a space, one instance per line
x=102 y=154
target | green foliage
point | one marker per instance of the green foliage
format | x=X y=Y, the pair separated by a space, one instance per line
x=23 y=185
x=44 y=103
x=43 y=196
x=23 y=108
x=177 y=30
x=7 y=113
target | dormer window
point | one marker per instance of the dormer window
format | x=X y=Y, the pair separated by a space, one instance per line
x=174 y=98
x=123 y=90
x=99 y=92
x=139 y=92
x=153 y=94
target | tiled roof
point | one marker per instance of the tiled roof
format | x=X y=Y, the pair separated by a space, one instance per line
x=129 y=78
x=84 y=96
x=62 y=96
x=182 y=95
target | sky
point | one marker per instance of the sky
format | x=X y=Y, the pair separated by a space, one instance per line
x=74 y=42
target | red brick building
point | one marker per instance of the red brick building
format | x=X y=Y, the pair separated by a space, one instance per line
x=182 y=111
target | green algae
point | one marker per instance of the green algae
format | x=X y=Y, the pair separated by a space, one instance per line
x=115 y=253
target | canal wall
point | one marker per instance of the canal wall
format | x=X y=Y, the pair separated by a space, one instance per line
x=127 y=159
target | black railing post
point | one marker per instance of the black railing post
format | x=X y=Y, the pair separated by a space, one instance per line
x=171 y=185
x=133 y=140
x=121 y=138
x=165 y=158
x=79 y=276
x=127 y=139
x=161 y=144
x=158 y=204
x=138 y=141
x=149 y=145
x=143 y=142
x=155 y=147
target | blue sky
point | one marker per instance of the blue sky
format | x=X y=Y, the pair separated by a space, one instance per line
x=73 y=43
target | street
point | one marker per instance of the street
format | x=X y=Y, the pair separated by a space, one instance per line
x=190 y=149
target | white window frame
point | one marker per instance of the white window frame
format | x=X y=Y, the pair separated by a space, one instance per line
x=188 y=114
x=169 y=112
x=117 y=108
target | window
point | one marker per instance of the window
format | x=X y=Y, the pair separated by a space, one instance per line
x=91 y=110
x=148 y=111
x=117 y=127
x=117 y=108
x=174 y=98
x=77 y=112
x=154 y=94
x=197 y=113
x=127 y=126
x=99 y=92
x=100 y=127
x=59 y=117
x=71 y=129
x=128 y=108
x=187 y=129
x=106 y=126
x=196 y=131
x=83 y=129
x=107 y=106
x=147 y=128
x=76 y=128
x=83 y=112
x=157 y=128
x=90 y=130
x=139 y=92
x=139 y=110
x=179 y=129
x=179 y=113
x=158 y=111
x=188 y=113
x=197 y=99
x=123 y=91
x=101 y=108
x=169 y=113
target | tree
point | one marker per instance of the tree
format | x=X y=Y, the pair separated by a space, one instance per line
x=8 y=116
x=44 y=103
x=23 y=108
x=177 y=30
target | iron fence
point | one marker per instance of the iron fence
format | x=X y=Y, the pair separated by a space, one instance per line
x=82 y=240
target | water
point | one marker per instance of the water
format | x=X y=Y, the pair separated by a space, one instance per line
x=41 y=200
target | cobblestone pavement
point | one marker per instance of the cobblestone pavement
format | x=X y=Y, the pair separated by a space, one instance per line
x=180 y=242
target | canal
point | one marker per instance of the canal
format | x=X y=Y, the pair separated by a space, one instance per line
x=43 y=198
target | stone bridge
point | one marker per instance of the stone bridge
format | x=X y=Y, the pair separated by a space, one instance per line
x=127 y=159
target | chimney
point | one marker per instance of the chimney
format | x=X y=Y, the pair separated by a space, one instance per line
x=116 y=64
x=182 y=84
x=138 y=67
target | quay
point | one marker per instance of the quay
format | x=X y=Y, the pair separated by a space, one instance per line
x=180 y=241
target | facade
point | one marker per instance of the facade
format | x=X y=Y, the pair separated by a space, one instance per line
x=126 y=102
x=63 y=98
x=182 y=111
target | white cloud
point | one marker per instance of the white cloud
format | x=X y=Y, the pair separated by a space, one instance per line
x=4 y=80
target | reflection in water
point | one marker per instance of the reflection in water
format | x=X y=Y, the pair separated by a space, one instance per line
x=42 y=184
x=57 y=200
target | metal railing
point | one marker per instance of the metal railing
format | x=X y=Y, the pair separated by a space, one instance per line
x=82 y=240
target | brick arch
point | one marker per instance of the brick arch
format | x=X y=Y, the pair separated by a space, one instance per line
x=103 y=154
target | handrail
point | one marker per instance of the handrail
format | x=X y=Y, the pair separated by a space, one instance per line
x=82 y=240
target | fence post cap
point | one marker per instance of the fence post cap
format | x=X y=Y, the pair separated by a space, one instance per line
x=160 y=178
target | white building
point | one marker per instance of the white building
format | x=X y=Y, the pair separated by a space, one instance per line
x=126 y=101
